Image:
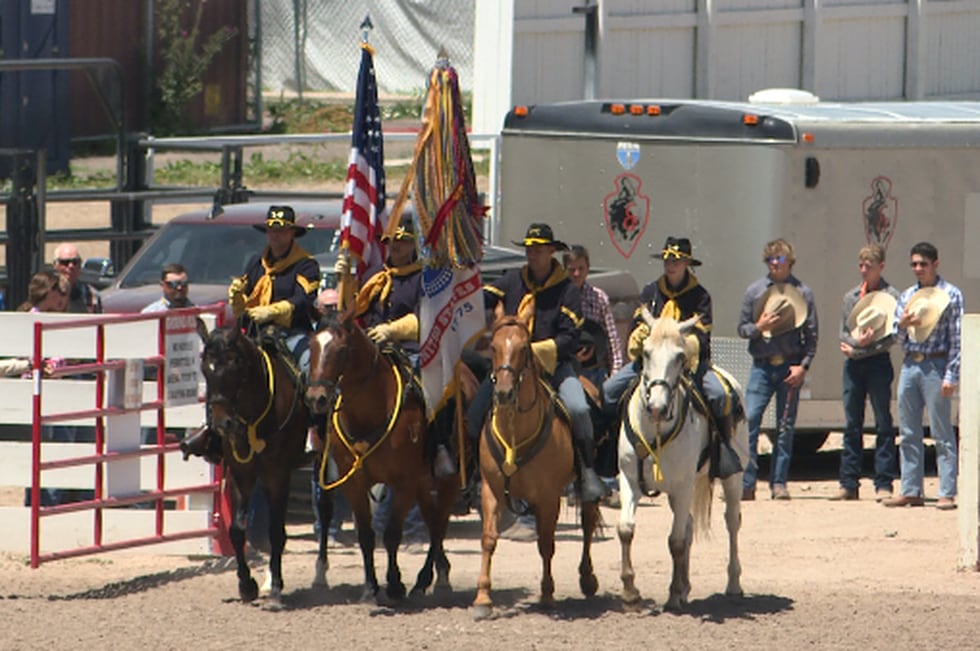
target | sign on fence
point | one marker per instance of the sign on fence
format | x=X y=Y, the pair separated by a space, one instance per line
x=182 y=354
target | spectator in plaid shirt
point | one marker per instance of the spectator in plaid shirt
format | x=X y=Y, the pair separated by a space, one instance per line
x=595 y=308
x=928 y=318
x=82 y=297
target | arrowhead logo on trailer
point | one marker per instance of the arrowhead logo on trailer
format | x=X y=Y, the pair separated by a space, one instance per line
x=880 y=211
x=627 y=212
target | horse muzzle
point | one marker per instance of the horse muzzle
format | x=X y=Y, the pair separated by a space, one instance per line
x=321 y=396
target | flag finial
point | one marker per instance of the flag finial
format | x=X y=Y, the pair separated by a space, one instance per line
x=442 y=59
x=366 y=27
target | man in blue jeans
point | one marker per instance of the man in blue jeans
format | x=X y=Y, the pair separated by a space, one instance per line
x=866 y=336
x=928 y=315
x=779 y=319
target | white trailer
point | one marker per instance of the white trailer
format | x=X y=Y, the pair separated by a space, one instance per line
x=621 y=175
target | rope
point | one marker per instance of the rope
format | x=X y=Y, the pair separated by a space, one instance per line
x=344 y=438
x=255 y=444
x=509 y=465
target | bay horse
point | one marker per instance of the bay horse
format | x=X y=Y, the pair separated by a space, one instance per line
x=376 y=433
x=664 y=436
x=526 y=453
x=258 y=411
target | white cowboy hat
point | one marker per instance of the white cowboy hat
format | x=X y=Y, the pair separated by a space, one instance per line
x=928 y=304
x=785 y=300
x=876 y=310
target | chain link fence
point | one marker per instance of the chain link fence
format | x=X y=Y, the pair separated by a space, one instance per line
x=313 y=45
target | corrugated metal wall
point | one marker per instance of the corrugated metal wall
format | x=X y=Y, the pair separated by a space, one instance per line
x=118 y=29
x=728 y=49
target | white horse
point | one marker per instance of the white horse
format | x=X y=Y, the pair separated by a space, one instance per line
x=666 y=438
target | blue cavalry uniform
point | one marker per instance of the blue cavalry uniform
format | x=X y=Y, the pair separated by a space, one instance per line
x=388 y=304
x=680 y=303
x=273 y=290
x=552 y=311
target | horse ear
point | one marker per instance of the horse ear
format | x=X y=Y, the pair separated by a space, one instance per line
x=688 y=326
x=647 y=316
x=202 y=330
x=346 y=319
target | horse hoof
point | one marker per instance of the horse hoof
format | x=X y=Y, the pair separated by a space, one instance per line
x=734 y=592
x=248 y=590
x=589 y=585
x=442 y=588
x=395 y=591
x=674 y=606
x=482 y=612
x=320 y=582
x=368 y=595
x=631 y=597
x=416 y=592
x=273 y=605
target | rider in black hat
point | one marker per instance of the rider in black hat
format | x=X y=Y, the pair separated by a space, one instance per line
x=277 y=288
x=542 y=290
x=679 y=294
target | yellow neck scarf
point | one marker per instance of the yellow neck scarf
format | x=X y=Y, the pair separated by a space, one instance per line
x=671 y=308
x=378 y=287
x=525 y=310
x=262 y=292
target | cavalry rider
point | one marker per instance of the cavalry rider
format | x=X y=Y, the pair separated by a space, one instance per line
x=277 y=288
x=541 y=290
x=678 y=294
x=388 y=307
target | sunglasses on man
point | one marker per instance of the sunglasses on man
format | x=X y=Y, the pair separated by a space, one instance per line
x=65 y=262
x=176 y=284
x=776 y=259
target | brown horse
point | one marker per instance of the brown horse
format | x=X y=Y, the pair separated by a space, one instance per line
x=377 y=434
x=526 y=453
x=257 y=410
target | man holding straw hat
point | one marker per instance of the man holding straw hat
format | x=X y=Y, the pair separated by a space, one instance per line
x=779 y=318
x=866 y=335
x=928 y=315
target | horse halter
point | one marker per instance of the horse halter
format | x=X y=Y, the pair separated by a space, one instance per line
x=671 y=389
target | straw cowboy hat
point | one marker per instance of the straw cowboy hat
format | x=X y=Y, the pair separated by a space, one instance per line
x=928 y=304
x=876 y=310
x=785 y=300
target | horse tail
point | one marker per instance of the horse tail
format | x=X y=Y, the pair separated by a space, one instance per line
x=701 y=508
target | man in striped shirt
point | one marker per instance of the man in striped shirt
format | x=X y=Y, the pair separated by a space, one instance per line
x=929 y=329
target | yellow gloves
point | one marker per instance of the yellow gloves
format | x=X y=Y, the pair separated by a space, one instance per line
x=236 y=295
x=405 y=328
x=547 y=353
x=280 y=313
x=637 y=337
x=342 y=266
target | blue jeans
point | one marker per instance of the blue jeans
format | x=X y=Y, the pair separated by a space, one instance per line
x=871 y=378
x=569 y=390
x=764 y=381
x=615 y=386
x=919 y=386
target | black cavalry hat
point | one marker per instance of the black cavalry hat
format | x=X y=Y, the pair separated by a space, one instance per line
x=679 y=248
x=281 y=217
x=405 y=230
x=541 y=234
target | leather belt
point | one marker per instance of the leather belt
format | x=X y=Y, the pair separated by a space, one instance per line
x=776 y=360
x=921 y=357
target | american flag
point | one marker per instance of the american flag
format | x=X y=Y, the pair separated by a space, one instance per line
x=364 y=216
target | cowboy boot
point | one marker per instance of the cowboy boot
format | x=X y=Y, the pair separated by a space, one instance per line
x=592 y=488
x=202 y=443
x=724 y=459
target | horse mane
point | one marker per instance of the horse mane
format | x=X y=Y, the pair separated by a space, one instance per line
x=666 y=329
x=510 y=320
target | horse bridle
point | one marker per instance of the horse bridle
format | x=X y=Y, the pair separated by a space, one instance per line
x=331 y=386
x=671 y=391
x=518 y=379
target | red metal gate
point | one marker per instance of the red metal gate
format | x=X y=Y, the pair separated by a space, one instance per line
x=101 y=368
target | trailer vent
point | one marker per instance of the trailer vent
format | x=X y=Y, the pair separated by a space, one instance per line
x=812 y=172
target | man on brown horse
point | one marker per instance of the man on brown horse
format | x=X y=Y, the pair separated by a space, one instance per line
x=542 y=295
x=277 y=288
x=388 y=307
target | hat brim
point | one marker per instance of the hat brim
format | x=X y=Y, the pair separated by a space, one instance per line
x=795 y=300
x=692 y=261
x=531 y=241
x=299 y=231
x=935 y=301
x=881 y=300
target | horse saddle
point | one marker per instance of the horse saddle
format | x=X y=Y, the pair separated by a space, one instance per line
x=399 y=359
x=273 y=341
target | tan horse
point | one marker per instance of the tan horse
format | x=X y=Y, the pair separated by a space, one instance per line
x=526 y=453
x=376 y=434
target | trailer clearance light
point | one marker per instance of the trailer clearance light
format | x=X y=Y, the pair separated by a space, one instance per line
x=807 y=137
x=750 y=119
x=636 y=109
x=520 y=111
x=653 y=109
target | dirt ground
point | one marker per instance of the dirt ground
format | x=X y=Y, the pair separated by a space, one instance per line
x=817 y=574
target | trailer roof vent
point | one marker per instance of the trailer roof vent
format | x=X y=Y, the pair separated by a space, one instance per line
x=793 y=96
